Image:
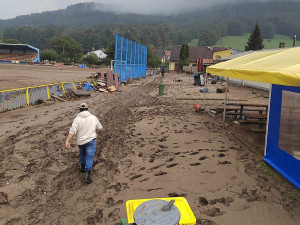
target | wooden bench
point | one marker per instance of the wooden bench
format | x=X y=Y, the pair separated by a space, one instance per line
x=256 y=116
x=252 y=121
x=257 y=130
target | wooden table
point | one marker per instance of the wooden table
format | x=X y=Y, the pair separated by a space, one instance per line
x=248 y=104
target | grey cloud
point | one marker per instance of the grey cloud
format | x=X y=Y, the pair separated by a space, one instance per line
x=13 y=8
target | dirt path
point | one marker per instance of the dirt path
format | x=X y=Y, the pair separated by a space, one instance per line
x=151 y=147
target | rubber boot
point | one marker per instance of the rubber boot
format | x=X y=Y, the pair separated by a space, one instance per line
x=82 y=168
x=87 y=178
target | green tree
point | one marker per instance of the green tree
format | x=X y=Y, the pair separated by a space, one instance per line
x=152 y=60
x=91 y=59
x=255 y=41
x=236 y=28
x=68 y=49
x=184 y=55
x=50 y=55
x=110 y=52
x=268 y=31
x=11 y=41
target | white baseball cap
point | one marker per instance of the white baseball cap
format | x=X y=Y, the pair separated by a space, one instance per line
x=83 y=106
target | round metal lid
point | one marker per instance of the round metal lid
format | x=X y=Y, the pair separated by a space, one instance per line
x=157 y=212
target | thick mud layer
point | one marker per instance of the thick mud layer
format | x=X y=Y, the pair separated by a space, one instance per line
x=151 y=146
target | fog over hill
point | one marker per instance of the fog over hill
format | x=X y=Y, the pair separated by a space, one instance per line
x=175 y=21
x=12 y=8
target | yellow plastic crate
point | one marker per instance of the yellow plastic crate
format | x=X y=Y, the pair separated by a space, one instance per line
x=187 y=215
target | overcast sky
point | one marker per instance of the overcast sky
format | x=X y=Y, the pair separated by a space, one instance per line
x=12 y=8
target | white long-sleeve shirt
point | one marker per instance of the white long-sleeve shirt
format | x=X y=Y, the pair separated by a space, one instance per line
x=84 y=127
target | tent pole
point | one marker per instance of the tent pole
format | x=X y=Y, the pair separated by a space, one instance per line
x=204 y=92
x=225 y=101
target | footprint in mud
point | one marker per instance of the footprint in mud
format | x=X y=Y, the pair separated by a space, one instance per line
x=98 y=215
x=194 y=153
x=223 y=200
x=195 y=164
x=221 y=155
x=222 y=150
x=170 y=160
x=110 y=201
x=162 y=139
x=174 y=194
x=160 y=174
x=154 y=189
x=146 y=179
x=177 y=153
x=151 y=160
x=213 y=212
x=114 y=215
x=163 y=146
x=224 y=163
x=154 y=168
x=203 y=201
x=202 y=158
x=3 y=199
x=142 y=168
x=136 y=176
x=172 y=165
x=205 y=222
x=202 y=149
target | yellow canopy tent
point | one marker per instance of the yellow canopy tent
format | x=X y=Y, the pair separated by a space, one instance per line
x=280 y=67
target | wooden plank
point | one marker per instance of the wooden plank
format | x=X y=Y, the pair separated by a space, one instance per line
x=257 y=130
x=238 y=109
x=81 y=93
x=58 y=98
x=248 y=104
x=256 y=116
x=253 y=121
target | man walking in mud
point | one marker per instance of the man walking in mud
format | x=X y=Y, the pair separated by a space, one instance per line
x=85 y=127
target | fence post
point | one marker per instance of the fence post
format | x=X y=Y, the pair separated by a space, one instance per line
x=27 y=96
x=110 y=79
x=74 y=86
x=117 y=81
x=62 y=87
x=48 y=93
x=102 y=76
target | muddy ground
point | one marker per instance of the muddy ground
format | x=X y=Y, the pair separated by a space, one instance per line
x=19 y=76
x=151 y=147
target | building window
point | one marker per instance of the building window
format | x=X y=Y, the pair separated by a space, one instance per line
x=289 y=136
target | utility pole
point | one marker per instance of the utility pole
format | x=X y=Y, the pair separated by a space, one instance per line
x=294 y=44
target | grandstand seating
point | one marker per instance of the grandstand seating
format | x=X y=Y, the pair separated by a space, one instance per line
x=17 y=57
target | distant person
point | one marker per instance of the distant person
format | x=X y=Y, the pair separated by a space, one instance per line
x=85 y=127
x=163 y=70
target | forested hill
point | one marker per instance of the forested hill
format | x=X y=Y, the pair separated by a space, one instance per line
x=94 y=26
x=82 y=14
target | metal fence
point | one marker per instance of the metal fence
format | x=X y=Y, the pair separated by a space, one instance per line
x=17 y=98
x=130 y=59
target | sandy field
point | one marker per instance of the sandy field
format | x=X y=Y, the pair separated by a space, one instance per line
x=19 y=76
x=152 y=146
